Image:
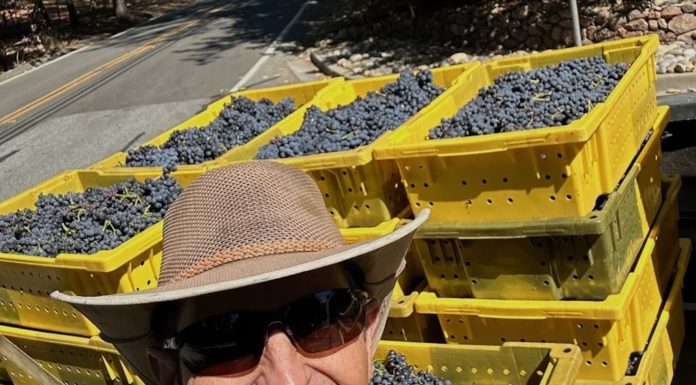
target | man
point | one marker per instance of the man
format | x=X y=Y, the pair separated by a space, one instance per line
x=257 y=286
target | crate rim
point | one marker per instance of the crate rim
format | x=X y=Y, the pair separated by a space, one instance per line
x=575 y=132
x=104 y=261
x=192 y=167
x=365 y=154
x=612 y=308
x=595 y=222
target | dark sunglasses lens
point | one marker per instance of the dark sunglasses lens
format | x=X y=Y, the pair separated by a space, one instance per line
x=326 y=320
x=223 y=345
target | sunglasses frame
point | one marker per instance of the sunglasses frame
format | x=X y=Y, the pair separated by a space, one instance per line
x=274 y=319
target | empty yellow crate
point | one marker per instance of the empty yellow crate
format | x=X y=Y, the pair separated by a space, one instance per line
x=566 y=258
x=405 y=324
x=71 y=359
x=27 y=281
x=660 y=357
x=509 y=364
x=606 y=331
x=302 y=93
x=532 y=174
x=357 y=190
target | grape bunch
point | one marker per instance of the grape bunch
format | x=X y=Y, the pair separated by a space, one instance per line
x=100 y=218
x=358 y=123
x=395 y=370
x=545 y=97
x=238 y=123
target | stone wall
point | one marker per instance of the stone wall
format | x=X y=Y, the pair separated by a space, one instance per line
x=510 y=25
x=547 y=24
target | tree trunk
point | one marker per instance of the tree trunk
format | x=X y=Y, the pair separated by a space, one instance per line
x=41 y=8
x=72 y=13
x=121 y=11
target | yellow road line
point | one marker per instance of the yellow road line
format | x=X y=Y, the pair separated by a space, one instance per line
x=150 y=44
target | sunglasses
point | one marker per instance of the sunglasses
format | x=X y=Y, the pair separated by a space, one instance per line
x=234 y=342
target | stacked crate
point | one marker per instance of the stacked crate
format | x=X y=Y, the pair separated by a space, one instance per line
x=556 y=248
x=553 y=235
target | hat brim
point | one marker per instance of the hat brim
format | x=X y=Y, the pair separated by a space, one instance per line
x=125 y=319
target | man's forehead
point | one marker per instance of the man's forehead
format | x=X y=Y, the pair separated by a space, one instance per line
x=262 y=297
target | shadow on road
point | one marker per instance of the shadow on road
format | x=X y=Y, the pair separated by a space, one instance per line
x=223 y=26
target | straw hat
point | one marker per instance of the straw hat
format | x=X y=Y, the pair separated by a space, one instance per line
x=235 y=227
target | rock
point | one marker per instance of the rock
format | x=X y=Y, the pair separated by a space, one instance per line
x=603 y=16
x=511 y=43
x=635 y=15
x=520 y=35
x=459 y=58
x=627 y=34
x=355 y=57
x=521 y=12
x=688 y=8
x=653 y=25
x=358 y=70
x=534 y=41
x=557 y=34
x=370 y=63
x=652 y=14
x=682 y=24
x=686 y=38
x=675 y=91
x=604 y=34
x=671 y=11
x=547 y=27
x=566 y=24
x=345 y=63
x=554 y=19
x=661 y=69
x=591 y=32
x=668 y=37
x=535 y=31
x=662 y=23
x=386 y=55
x=616 y=22
x=689 y=53
x=565 y=13
x=680 y=68
x=637 y=25
x=674 y=52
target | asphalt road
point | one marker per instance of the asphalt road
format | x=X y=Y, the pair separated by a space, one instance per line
x=124 y=90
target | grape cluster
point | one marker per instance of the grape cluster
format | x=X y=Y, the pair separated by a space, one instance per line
x=240 y=121
x=99 y=218
x=395 y=370
x=358 y=123
x=549 y=96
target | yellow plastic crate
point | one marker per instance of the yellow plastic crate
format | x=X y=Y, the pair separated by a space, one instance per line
x=71 y=359
x=27 y=281
x=657 y=364
x=533 y=174
x=358 y=191
x=509 y=364
x=606 y=331
x=405 y=324
x=567 y=258
x=302 y=93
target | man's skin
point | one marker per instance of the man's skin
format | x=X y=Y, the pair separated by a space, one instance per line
x=281 y=363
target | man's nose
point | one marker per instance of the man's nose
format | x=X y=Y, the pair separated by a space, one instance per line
x=286 y=364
